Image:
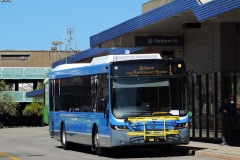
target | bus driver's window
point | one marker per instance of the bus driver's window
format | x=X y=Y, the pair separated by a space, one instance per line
x=122 y=100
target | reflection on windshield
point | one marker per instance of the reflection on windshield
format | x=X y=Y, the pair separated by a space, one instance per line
x=143 y=96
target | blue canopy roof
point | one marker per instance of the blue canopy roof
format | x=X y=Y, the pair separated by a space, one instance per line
x=35 y=93
x=201 y=11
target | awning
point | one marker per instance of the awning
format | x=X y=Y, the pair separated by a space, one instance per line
x=35 y=93
x=167 y=15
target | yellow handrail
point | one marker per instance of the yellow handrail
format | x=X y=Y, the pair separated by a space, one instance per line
x=153 y=118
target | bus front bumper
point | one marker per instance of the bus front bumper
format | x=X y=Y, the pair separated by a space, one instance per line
x=121 y=138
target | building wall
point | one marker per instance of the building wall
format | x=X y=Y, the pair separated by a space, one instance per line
x=14 y=58
x=153 y=4
x=213 y=52
x=230 y=47
x=202 y=48
x=213 y=48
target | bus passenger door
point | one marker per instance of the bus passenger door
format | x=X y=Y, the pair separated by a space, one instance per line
x=103 y=114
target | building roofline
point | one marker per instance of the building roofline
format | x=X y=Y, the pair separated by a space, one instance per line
x=201 y=11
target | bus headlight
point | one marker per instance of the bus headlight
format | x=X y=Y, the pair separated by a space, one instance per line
x=182 y=125
x=120 y=128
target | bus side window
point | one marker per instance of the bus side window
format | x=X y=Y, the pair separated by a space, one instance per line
x=103 y=105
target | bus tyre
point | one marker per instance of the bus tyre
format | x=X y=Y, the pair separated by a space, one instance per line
x=99 y=150
x=64 y=142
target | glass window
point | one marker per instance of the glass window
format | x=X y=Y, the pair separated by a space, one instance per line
x=211 y=105
x=99 y=91
x=143 y=96
x=46 y=95
x=57 y=97
x=75 y=94
x=211 y=94
x=190 y=102
x=237 y=123
x=196 y=119
x=51 y=83
x=204 y=108
x=219 y=102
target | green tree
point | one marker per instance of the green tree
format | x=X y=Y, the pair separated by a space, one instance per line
x=39 y=85
x=7 y=104
x=36 y=107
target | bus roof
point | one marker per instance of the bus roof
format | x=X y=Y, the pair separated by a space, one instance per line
x=124 y=57
x=108 y=59
x=99 y=65
x=69 y=66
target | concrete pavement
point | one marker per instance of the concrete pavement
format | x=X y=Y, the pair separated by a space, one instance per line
x=212 y=150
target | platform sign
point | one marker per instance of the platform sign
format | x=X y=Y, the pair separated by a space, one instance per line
x=159 y=40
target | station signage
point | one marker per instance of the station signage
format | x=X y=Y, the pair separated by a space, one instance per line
x=159 y=40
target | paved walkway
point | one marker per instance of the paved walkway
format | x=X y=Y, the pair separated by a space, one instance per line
x=214 y=150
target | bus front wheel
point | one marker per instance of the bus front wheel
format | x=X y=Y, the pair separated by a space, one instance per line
x=99 y=150
x=64 y=142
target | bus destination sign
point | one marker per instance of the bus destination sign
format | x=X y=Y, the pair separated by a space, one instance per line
x=148 y=69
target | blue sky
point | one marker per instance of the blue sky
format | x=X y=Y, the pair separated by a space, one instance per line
x=33 y=25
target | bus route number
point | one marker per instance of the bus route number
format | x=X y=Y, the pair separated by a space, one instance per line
x=182 y=112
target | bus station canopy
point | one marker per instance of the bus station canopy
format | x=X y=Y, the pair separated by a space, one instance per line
x=169 y=19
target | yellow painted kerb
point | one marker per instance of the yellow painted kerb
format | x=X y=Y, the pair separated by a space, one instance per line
x=9 y=156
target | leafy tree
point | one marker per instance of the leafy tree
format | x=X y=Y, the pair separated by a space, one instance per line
x=40 y=85
x=7 y=104
x=34 y=108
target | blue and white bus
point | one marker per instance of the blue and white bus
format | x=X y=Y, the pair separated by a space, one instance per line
x=119 y=101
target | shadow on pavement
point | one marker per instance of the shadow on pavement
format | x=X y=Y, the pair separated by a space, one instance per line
x=176 y=151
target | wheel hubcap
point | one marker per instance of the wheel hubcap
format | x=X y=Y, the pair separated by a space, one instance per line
x=96 y=140
x=63 y=137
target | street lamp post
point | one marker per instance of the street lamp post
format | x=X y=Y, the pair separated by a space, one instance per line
x=22 y=58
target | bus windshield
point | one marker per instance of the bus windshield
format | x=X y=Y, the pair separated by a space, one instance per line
x=143 y=96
